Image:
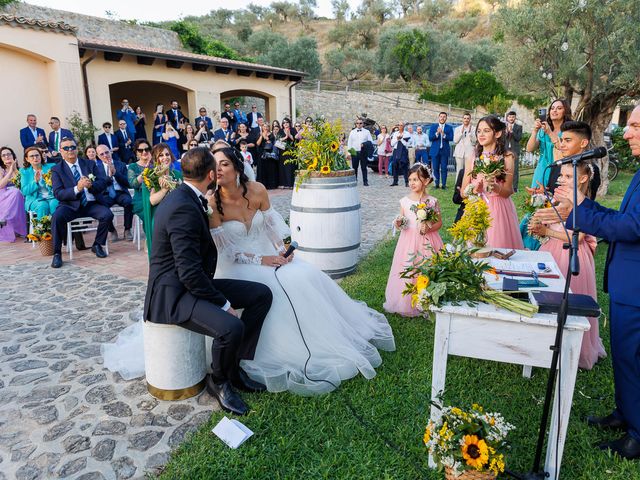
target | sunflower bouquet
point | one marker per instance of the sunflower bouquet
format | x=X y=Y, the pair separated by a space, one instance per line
x=318 y=150
x=47 y=179
x=492 y=167
x=470 y=439
x=41 y=229
x=17 y=180
x=151 y=177
x=472 y=227
x=453 y=276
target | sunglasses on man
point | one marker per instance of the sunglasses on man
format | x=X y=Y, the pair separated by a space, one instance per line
x=69 y=148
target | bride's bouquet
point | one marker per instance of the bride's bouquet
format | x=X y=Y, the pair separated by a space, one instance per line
x=492 y=167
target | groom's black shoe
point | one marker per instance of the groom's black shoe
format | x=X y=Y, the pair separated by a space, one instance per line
x=229 y=400
x=627 y=447
x=610 y=422
x=244 y=383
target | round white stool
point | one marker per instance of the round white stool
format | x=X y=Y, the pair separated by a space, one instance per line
x=174 y=360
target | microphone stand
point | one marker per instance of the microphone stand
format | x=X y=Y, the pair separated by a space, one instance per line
x=537 y=472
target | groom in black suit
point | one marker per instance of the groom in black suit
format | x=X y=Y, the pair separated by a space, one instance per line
x=181 y=289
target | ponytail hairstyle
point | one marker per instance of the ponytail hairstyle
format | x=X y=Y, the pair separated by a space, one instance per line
x=423 y=173
x=497 y=126
x=236 y=160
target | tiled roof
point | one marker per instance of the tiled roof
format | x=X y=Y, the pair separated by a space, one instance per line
x=117 y=47
x=34 y=23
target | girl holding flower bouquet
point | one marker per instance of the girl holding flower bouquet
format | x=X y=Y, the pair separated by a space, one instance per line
x=491 y=177
x=419 y=221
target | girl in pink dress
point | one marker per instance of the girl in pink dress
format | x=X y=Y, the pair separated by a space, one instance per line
x=416 y=237
x=585 y=283
x=504 y=231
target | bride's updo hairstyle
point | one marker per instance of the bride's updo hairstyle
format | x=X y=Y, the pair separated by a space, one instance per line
x=497 y=126
x=236 y=160
x=197 y=163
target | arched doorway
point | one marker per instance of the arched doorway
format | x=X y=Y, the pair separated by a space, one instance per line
x=147 y=94
x=266 y=103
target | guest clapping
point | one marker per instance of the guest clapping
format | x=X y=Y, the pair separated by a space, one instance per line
x=134 y=174
x=36 y=185
x=117 y=191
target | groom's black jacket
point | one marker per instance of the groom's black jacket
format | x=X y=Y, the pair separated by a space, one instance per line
x=183 y=259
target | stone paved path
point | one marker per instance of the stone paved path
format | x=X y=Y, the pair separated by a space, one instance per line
x=62 y=415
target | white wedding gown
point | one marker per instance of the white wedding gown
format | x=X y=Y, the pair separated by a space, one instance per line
x=342 y=335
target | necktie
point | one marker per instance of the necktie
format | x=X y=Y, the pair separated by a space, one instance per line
x=57 y=142
x=124 y=134
x=76 y=177
x=205 y=203
x=111 y=190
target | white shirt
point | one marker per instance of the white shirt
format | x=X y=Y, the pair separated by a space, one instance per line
x=405 y=140
x=421 y=141
x=227 y=305
x=90 y=197
x=357 y=137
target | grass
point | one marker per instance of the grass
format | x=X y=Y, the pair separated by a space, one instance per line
x=319 y=437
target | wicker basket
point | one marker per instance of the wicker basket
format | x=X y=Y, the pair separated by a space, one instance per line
x=46 y=247
x=467 y=475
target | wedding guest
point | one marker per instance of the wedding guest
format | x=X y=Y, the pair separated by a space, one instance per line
x=416 y=237
x=232 y=120
x=268 y=159
x=464 y=137
x=204 y=118
x=384 y=151
x=134 y=174
x=151 y=197
x=117 y=191
x=204 y=134
x=286 y=171
x=90 y=153
x=140 y=123
x=109 y=139
x=224 y=132
x=440 y=134
x=36 y=189
x=400 y=156
x=192 y=144
x=360 y=140
x=421 y=143
x=160 y=119
x=125 y=143
x=585 y=282
x=513 y=134
x=75 y=183
x=186 y=135
x=252 y=118
x=411 y=146
x=497 y=191
x=545 y=137
x=243 y=134
x=55 y=135
x=32 y=134
x=12 y=211
x=171 y=137
x=127 y=114
x=175 y=115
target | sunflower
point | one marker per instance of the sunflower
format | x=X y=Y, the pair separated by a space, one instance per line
x=47 y=236
x=334 y=146
x=33 y=238
x=314 y=164
x=422 y=282
x=427 y=434
x=475 y=451
x=325 y=169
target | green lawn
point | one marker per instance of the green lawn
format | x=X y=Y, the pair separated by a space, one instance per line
x=299 y=438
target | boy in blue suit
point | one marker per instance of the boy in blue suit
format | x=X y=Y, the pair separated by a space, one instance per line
x=621 y=229
x=440 y=134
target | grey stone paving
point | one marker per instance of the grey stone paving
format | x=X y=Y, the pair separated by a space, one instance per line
x=62 y=415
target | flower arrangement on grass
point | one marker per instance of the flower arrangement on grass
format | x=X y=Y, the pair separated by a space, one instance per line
x=491 y=166
x=470 y=439
x=453 y=276
x=318 y=151
x=151 y=177
x=472 y=227
x=41 y=230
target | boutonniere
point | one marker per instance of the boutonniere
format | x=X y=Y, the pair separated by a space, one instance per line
x=91 y=177
x=209 y=211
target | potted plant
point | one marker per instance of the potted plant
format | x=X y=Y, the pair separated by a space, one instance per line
x=468 y=444
x=41 y=233
x=472 y=228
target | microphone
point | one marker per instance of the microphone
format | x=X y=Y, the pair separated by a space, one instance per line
x=292 y=246
x=597 y=152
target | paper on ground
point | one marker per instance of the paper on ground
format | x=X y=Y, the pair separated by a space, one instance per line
x=232 y=432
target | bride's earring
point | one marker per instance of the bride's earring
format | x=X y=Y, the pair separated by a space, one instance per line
x=238 y=180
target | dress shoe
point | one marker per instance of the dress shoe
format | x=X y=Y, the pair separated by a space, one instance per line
x=128 y=236
x=246 y=384
x=437 y=186
x=627 y=447
x=79 y=241
x=444 y=187
x=393 y=185
x=229 y=400
x=99 y=251
x=114 y=237
x=365 y=184
x=56 y=262
x=610 y=422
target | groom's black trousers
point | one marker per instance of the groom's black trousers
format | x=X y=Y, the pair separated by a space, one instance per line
x=234 y=338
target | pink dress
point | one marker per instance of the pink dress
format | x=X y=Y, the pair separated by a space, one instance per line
x=504 y=231
x=12 y=210
x=585 y=283
x=409 y=243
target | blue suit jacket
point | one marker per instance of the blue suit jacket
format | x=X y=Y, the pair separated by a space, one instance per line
x=120 y=176
x=26 y=137
x=124 y=153
x=64 y=183
x=621 y=228
x=219 y=135
x=102 y=140
x=205 y=119
x=435 y=141
x=63 y=133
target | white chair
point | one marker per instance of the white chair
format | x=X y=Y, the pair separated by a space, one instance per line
x=137 y=230
x=32 y=216
x=81 y=225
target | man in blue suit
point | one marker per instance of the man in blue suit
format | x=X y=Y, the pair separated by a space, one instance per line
x=109 y=139
x=117 y=191
x=204 y=118
x=224 y=133
x=125 y=143
x=55 y=136
x=31 y=134
x=127 y=114
x=621 y=229
x=440 y=134
x=76 y=182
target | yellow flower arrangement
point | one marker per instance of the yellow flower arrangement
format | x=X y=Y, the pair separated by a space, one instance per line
x=17 y=179
x=325 y=169
x=41 y=230
x=473 y=226
x=47 y=178
x=463 y=440
x=334 y=146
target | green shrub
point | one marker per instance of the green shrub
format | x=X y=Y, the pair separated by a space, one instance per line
x=84 y=132
x=626 y=160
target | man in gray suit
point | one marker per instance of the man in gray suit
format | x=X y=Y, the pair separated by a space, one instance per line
x=512 y=143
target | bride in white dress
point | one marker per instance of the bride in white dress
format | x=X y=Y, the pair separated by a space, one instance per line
x=314 y=336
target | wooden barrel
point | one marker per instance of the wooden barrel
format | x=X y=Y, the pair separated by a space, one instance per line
x=325 y=221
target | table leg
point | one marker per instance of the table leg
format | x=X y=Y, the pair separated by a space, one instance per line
x=572 y=342
x=439 y=372
x=527 y=370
